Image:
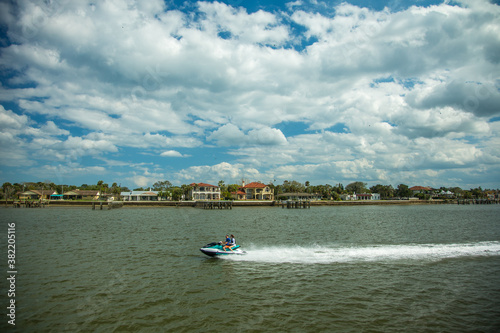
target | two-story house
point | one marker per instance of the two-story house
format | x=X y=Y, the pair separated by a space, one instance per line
x=203 y=191
x=257 y=191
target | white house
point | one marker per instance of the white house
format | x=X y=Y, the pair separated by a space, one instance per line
x=140 y=196
x=368 y=196
x=203 y=191
x=362 y=196
x=346 y=197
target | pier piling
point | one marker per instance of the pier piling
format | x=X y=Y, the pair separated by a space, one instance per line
x=296 y=204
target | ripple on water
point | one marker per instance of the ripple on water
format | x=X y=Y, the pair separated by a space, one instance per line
x=346 y=269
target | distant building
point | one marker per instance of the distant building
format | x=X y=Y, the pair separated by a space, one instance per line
x=492 y=195
x=446 y=194
x=361 y=196
x=36 y=194
x=203 y=191
x=347 y=197
x=239 y=195
x=368 y=196
x=82 y=195
x=139 y=196
x=257 y=191
x=421 y=189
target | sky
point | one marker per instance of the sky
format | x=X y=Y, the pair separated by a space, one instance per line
x=135 y=92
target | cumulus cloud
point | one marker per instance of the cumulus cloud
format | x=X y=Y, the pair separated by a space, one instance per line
x=172 y=153
x=376 y=90
x=230 y=173
x=231 y=135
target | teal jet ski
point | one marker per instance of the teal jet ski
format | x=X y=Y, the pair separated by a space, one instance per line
x=216 y=249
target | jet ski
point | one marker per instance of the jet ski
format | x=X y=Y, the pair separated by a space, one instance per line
x=216 y=249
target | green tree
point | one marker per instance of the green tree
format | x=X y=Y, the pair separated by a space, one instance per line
x=356 y=187
x=177 y=192
x=185 y=191
x=162 y=185
x=403 y=191
x=478 y=193
x=457 y=191
x=116 y=190
x=293 y=187
x=385 y=191
x=222 y=186
x=8 y=189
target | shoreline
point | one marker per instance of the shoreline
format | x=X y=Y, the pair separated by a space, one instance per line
x=249 y=203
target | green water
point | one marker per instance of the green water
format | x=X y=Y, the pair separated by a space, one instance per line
x=432 y=268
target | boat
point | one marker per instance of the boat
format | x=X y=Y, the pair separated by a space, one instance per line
x=216 y=249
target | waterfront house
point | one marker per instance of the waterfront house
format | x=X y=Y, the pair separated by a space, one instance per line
x=445 y=194
x=82 y=195
x=347 y=197
x=36 y=194
x=421 y=189
x=203 y=191
x=360 y=196
x=239 y=195
x=492 y=195
x=368 y=196
x=257 y=191
x=139 y=196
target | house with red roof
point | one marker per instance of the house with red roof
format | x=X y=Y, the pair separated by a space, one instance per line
x=204 y=191
x=421 y=189
x=239 y=195
x=257 y=191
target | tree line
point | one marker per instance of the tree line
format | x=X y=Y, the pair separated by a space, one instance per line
x=166 y=190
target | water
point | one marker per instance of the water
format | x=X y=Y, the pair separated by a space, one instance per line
x=432 y=268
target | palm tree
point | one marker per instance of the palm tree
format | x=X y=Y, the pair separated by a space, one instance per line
x=8 y=189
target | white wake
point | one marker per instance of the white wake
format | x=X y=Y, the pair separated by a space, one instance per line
x=374 y=253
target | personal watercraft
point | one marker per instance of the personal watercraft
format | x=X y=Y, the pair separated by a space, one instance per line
x=216 y=249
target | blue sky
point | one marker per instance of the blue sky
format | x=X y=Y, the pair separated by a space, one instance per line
x=133 y=92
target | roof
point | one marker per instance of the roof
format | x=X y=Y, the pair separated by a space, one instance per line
x=39 y=192
x=86 y=192
x=420 y=188
x=202 y=185
x=135 y=193
x=255 y=185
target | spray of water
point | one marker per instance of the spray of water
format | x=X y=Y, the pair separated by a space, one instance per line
x=375 y=253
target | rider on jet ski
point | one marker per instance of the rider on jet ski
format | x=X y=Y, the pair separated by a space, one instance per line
x=230 y=243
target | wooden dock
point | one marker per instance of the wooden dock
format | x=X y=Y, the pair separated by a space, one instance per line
x=110 y=204
x=214 y=204
x=477 y=201
x=30 y=204
x=296 y=204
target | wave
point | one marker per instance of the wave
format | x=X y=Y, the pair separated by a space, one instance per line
x=374 y=253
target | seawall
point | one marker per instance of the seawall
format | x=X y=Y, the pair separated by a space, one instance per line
x=249 y=203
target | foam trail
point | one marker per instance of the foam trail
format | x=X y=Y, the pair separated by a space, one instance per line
x=375 y=253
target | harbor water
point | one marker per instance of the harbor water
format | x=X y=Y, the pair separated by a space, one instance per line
x=421 y=268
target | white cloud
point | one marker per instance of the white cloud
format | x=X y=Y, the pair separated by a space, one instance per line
x=231 y=135
x=228 y=135
x=172 y=153
x=93 y=78
x=230 y=173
